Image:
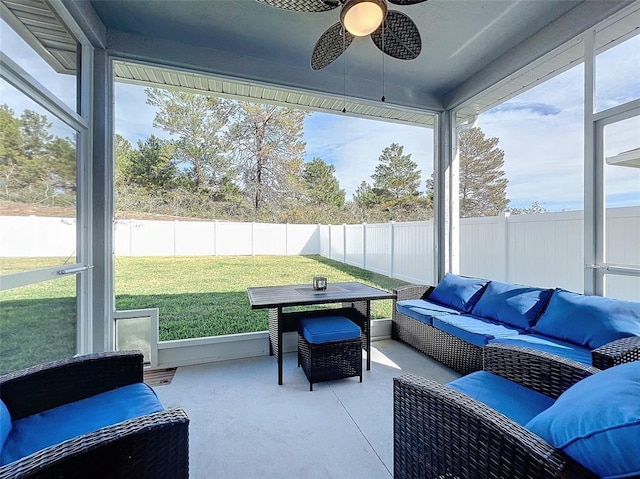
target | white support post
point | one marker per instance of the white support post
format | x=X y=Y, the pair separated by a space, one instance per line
x=253 y=237
x=503 y=234
x=392 y=227
x=215 y=237
x=344 y=243
x=593 y=216
x=364 y=245
x=286 y=239
x=175 y=236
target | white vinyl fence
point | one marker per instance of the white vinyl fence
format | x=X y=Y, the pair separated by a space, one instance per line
x=543 y=249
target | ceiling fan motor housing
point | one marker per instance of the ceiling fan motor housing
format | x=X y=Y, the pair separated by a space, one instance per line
x=352 y=6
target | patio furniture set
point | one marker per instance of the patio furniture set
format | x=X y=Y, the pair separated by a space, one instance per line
x=330 y=341
x=550 y=385
x=529 y=403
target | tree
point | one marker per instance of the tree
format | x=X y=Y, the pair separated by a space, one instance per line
x=482 y=181
x=268 y=150
x=396 y=176
x=322 y=187
x=364 y=196
x=62 y=167
x=151 y=165
x=199 y=122
x=11 y=154
x=533 y=208
x=35 y=135
x=121 y=156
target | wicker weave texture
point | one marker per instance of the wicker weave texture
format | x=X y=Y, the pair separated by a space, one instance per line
x=543 y=372
x=331 y=360
x=616 y=352
x=441 y=433
x=155 y=445
x=451 y=351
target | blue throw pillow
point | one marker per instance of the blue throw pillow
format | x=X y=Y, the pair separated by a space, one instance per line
x=5 y=424
x=597 y=422
x=458 y=292
x=589 y=321
x=512 y=304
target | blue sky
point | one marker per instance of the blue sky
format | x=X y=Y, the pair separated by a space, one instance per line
x=541 y=130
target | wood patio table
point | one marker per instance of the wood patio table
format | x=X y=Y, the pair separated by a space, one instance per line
x=355 y=299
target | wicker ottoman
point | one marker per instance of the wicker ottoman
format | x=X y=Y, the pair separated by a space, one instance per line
x=329 y=347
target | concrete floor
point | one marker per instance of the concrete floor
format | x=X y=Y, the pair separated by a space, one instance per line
x=244 y=425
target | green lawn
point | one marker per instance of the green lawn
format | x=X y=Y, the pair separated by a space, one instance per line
x=196 y=296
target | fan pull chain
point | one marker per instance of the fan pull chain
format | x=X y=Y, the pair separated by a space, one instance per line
x=344 y=71
x=383 y=55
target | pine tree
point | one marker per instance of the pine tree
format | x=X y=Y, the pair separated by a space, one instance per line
x=483 y=184
x=397 y=176
x=199 y=122
x=321 y=185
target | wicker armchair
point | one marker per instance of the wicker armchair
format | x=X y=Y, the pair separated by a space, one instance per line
x=439 y=432
x=155 y=445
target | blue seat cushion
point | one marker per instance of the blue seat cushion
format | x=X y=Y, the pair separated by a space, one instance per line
x=549 y=345
x=56 y=425
x=5 y=424
x=474 y=330
x=325 y=329
x=511 y=304
x=422 y=310
x=597 y=422
x=457 y=292
x=509 y=398
x=590 y=321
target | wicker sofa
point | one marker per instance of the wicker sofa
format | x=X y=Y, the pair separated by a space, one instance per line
x=58 y=399
x=527 y=414
x=453 y=321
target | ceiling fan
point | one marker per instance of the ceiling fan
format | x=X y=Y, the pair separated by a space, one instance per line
x=393 y=32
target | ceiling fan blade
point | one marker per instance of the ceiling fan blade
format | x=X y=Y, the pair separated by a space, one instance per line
x=330 y=46
x=405 y=2
x=302 y=5
x=401 y=37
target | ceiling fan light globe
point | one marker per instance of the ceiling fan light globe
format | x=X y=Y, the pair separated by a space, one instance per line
x=362 y=17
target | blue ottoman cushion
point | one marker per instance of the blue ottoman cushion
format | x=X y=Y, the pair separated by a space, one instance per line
x=56 y=425
x=517 y=402
x=597 y=422
x=325 y=329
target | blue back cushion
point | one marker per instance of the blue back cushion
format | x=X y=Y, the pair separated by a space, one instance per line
x=5 y=424
x=518 y=403
x=512 y=304
x=597 y=422
x=590 y=321
x=458 y=292
x=56 y=425
x=327 y=329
